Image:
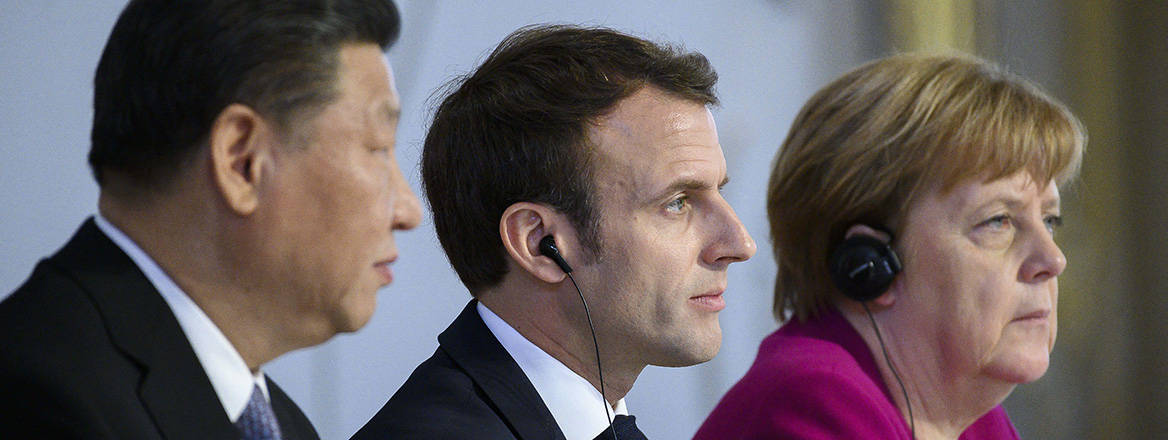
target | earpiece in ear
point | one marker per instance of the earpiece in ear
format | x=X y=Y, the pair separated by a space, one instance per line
x=863 y=267
x=547 y=248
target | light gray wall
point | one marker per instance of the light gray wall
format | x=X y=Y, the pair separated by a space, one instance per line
x=771 y=55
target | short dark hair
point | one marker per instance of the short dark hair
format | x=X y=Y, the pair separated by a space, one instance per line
x=171 y=66
x=516 y=129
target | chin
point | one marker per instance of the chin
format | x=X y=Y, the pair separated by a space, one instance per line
x=356 y=314
x=1021 y=369
x=356 y=321
x=352 y=325
x=694 y=349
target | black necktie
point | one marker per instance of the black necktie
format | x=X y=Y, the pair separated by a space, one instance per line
x=626 y=429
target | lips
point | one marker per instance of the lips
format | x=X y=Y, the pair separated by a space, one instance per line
x=1035 y=316
x=383 y=270
x=712 y=302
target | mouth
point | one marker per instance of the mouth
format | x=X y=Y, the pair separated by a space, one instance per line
x=1037 y=316
x=383 y=270
x=711 y=302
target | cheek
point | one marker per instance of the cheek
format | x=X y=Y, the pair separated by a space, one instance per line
x=961 y=298
x=360 y=194
x=351 y=222
x=1053 y=313
x=639 y=279
x=650 y=265
x=984 y=303
x=935 y=283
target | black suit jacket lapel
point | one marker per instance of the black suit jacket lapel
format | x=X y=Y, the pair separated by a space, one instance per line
x=175 y=390
x=474 y=348
x=293 y=424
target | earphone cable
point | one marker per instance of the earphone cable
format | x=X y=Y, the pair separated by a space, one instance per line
x=912 y=423
x=599 y=371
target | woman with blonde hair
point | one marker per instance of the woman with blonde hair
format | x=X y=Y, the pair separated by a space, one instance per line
x=912 y=210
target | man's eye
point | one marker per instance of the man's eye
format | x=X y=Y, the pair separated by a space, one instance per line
x=678 y=204
x=1053 y=222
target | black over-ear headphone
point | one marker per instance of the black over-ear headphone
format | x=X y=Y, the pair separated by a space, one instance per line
x=862 y=267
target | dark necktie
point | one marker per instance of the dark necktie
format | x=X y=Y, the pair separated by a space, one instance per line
x=626 y=429
x=258 y=422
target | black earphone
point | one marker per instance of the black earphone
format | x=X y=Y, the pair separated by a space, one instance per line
x=862 y=268
x=547 y=248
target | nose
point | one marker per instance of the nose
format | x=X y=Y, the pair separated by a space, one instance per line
x=732 y=243
x=407 y=210
x=1044 y=261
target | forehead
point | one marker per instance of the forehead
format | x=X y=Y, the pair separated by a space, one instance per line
x=364 y=104
x=364 y=76
x=1016 y=191
x=651 y=137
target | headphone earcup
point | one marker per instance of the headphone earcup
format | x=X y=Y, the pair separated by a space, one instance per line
x=862 y=267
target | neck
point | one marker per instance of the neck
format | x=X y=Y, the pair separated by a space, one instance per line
x=183 y=240
x=944 y=404
x=553 y=319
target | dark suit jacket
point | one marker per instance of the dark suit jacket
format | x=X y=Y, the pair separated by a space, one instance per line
x=469 y=389
x=89 y=349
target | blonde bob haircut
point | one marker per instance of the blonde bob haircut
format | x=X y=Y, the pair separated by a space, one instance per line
x=867 y=145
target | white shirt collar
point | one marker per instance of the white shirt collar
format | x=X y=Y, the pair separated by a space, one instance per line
x=572 y=400
x=232 y=380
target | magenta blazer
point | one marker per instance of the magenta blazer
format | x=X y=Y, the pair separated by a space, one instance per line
x=818 y=380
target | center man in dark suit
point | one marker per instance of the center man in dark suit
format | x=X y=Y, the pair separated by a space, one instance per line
x=249 y=194
x=601 y=145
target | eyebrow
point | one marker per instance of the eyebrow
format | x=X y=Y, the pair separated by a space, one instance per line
x=691 y=184
x=391 y=112
x=1013 y=203
x=1052 y=203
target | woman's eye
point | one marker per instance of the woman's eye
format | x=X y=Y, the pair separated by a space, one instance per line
x=678 y=204
x=997 y=222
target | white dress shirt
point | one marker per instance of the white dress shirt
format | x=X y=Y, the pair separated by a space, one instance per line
x=232 y=380
x=575 y=404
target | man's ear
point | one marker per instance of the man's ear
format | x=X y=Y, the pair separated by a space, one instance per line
x=888 y=298
x=240 y=143
x=521 y=228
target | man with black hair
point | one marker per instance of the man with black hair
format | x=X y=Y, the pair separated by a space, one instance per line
x=596 y=148
x=249 y=194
